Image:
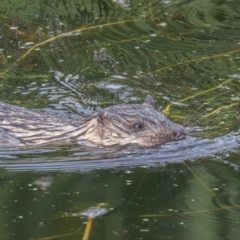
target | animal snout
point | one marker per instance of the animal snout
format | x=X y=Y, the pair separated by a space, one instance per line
x=180 y=132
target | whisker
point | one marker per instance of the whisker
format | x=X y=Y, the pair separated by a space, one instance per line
x=190 y=117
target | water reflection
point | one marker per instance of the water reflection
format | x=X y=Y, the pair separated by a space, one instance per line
x=175 y=200
x=79 y=159
x=72 y=56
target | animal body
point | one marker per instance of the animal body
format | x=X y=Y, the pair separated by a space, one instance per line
x=139 y=124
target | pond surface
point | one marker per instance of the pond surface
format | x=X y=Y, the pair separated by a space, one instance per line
x=72 y=56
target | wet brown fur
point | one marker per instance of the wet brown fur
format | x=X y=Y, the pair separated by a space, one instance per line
x=137 y=124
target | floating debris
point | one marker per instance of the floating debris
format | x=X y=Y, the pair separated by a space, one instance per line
x=68 y=34
x=94 y=212
x=234 y=76
x=13 y=28
x=162 y=24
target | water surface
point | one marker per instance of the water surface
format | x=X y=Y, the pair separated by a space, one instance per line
x=72 y=56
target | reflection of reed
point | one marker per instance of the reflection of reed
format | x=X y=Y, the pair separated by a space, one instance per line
x=227 y=54
x=204 y=185
x=3 y=57
x=204 y=92
x=220 y=208
x=188 y=213
x=87 y=230
x=78 y=30
x=89 y=225
x=62 y=235
x=24 y=36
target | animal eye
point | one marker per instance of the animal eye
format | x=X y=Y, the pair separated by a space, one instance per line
x=138 y=126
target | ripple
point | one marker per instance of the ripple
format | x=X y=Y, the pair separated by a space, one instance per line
x=81 y=159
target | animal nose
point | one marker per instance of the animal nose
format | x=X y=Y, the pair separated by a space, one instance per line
x=180 y=132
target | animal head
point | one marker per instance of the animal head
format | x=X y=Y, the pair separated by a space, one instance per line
x=139 y=124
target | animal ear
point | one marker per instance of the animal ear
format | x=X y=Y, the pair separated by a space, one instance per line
x=149 y=100
x=102 y=115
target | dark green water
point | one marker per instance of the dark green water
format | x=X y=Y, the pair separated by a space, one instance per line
x=72 y=56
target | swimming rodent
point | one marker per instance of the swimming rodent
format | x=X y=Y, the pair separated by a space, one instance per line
x=124 y=124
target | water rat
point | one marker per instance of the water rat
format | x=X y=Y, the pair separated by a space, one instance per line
x=124 y=124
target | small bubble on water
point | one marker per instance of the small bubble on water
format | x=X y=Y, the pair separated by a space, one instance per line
x=41 y=224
